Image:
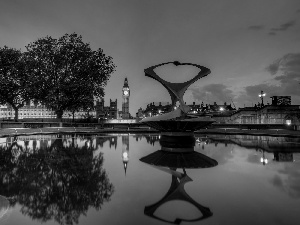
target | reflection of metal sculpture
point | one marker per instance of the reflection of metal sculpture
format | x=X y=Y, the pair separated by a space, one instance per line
x=182 y=122
x=175 y=156
x=177 y=192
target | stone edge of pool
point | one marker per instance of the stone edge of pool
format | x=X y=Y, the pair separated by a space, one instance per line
x=7 y=132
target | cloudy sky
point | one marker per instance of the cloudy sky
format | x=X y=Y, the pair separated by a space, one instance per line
x=248 y=45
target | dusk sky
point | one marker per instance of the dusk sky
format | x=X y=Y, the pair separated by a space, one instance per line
x=248 y=45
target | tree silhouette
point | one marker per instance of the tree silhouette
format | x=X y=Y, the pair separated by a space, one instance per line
x=68 y=73
x=14 y=82
x=58 y=182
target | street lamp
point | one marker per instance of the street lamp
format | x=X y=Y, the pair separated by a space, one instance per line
x=262 y=95
x=263 y=159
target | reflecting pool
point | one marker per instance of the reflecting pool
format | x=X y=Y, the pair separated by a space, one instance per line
x=126 y=179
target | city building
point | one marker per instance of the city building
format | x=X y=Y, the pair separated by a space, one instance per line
x=35 y=110
x=106 y=112
x=156 y=108
x=279 y=112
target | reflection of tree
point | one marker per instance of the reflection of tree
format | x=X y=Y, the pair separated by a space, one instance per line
x=56 y=182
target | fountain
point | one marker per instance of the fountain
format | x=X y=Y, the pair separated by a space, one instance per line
x=177 y=122
x=177 y=144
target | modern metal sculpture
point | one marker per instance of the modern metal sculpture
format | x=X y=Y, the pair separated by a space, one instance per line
x=177 y=120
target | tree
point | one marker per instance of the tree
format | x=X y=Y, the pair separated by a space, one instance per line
x=14 y=82
x=68 y=67
x=82 y=99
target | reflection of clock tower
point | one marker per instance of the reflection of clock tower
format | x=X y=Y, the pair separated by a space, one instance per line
x=125 y=151
x=125 y=104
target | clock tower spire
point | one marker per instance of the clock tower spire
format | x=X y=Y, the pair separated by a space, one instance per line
x=125 y=104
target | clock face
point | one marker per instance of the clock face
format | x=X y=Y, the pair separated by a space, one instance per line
x=126 y=92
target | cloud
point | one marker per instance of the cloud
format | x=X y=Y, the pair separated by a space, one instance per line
x=250 y=95
x=285 y=26
x=289 y=181
x=289 y=63
x=272 y=33
x=256 y=27
x=286 y=74
x=212 y=93
x=284 y=81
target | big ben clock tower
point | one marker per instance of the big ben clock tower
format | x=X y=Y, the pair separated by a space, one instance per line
x=125 y=104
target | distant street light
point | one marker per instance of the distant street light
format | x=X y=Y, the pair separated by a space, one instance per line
x=263 y=159
x=262 y=95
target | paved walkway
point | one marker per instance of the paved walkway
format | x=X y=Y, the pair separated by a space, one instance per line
x=51 y=130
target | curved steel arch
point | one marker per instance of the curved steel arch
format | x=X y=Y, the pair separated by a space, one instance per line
x=177 y=90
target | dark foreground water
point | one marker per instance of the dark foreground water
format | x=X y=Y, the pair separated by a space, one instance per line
x=100 y=179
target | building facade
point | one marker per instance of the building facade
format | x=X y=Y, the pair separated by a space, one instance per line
x=34 y=110
x=106 y=112
x=157 y=108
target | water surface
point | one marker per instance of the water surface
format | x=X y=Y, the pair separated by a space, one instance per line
x=99 y=179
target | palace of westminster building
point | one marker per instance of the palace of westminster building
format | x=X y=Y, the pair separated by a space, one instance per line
x=33 y=110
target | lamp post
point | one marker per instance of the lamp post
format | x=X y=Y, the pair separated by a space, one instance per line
x=262 y=95
x=263 y=159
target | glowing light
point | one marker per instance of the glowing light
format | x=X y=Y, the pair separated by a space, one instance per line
x=264 y=160
x=262 y=94
x=288 y=122
x=221 y=109
x=125 y=155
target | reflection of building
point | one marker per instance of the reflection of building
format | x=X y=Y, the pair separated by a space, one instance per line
x=282 y=147
x=112 y=141
x=283 y=156
x=265 y=143
x=125 y=104
x=125 y=151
